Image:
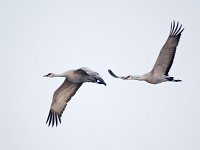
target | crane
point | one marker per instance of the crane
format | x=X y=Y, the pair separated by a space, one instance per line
x=73 y=81
x=161 y=68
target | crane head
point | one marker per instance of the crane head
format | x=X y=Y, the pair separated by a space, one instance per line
x=129 y=77
x=48 y=75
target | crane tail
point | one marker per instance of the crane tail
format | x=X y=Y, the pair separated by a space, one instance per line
x=173 y=80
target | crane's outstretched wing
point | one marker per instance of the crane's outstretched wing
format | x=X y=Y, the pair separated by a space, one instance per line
x=60 y=98
x=167 y=53
x=115 y=76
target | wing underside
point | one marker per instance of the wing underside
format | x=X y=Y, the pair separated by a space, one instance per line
x=167 y=53
x=60 y=99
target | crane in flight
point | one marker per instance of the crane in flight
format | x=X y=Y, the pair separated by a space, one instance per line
x=161 y=68
x=73 y=81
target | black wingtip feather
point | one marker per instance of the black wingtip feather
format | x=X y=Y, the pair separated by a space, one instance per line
x=59 y=117
x=53 y=115
x=175 y=29
x=53 y=118
x=50 y=118
x=172 y=27
x=56 y=118
x=178 y=30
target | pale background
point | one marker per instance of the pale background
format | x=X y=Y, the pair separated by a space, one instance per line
x=42 y=36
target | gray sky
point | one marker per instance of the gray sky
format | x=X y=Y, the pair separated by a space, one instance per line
x=44 y=36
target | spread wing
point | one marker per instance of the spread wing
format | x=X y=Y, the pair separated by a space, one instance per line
x=167 y=53
x=115 y=76
x=60 y=98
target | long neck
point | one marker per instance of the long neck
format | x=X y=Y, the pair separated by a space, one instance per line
x=139 y=77
x=58 y=75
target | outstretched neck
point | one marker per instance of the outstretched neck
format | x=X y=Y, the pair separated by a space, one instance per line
x=139 y=77
x=136 y=77
x=58 y=75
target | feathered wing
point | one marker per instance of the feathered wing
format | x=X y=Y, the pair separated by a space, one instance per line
x=167 y=53
x=60 y=98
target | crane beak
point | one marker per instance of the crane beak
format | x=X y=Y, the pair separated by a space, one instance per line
x=45 y=75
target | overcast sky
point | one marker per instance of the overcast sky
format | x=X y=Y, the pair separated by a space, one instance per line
x=42 y=36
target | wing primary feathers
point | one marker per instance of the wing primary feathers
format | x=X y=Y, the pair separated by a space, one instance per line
x=174 y=33
x=56 y=118
x=50 y=119
x=175 y=29
x=53 y=116
x=181 y=31
x=177 y=32
x=59 y=118
x=172 y=27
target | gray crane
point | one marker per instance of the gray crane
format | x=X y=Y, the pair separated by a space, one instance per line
x=73 y=81
x=160 y=71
